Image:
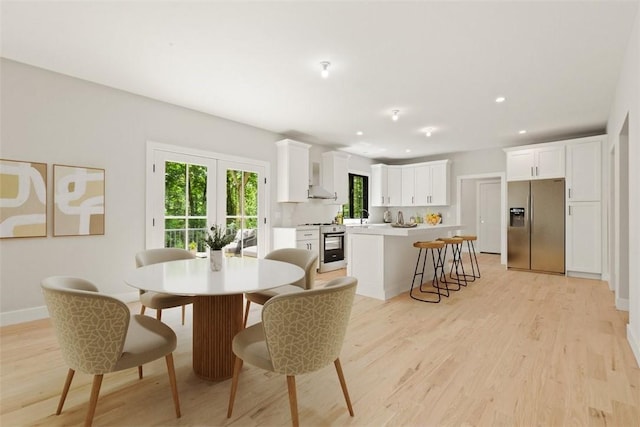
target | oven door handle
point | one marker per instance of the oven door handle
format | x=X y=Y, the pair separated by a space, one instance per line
x=338 y=234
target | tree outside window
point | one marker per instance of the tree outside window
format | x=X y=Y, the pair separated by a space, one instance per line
x=358 y=197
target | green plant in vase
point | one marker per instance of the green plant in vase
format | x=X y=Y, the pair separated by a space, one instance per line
x=217 y=238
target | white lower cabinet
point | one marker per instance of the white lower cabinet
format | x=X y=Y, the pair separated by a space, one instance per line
x=584 y=238
x=291 y=237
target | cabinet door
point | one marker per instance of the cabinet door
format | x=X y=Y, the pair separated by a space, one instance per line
x=439 y=185
x=312 y=245
x=422 y=189
x=584 y=171
x=549 y=163
x=520 y=165
x=293 y=171
x=335 y=175
x=408 y=186
x=378 y=185
x=584 y=253
x=394 y=186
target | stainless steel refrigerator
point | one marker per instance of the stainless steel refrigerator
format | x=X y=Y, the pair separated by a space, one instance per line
x=535 y=238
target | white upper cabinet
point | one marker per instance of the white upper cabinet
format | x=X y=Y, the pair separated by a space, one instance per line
x=335 y=175
x=584 y=160
x=439 y=182
x=386 y=185
x=293 y=171
x=408 y=186
x=542 y=162
x=432 y=183
x=420 y=184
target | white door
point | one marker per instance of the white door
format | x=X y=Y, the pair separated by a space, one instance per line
x=489 y=212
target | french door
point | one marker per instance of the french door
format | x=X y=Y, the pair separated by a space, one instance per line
x=189 y=192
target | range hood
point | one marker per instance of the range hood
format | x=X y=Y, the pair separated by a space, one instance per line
x=316 y=191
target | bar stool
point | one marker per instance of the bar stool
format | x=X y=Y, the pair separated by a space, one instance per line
x=475 y=267
x=437 y=265
x=456 y=249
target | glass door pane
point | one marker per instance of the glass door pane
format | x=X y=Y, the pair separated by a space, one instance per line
x=242 y=211
x=185 y=216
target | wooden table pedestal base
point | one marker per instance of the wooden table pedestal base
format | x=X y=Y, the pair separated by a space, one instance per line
x=216 y=320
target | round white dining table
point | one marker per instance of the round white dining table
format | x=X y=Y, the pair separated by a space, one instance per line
x=217 y=309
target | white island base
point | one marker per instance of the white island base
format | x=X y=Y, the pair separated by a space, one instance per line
x=383 y=258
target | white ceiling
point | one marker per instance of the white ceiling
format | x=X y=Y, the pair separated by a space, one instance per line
x=442 y=64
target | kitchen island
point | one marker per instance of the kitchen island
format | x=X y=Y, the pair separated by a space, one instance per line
x=383 y=258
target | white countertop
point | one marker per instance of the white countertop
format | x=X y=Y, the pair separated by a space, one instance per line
x=388 y=230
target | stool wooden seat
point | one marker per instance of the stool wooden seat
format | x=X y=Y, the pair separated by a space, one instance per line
x=456 y=249
x=475 y=267
x=438 y=265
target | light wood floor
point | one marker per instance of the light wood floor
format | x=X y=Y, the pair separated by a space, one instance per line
x=512 y=349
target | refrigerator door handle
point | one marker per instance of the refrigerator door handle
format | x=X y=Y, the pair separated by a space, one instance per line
x=530 y=203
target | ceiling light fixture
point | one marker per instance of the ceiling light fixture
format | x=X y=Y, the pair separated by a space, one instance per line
x=359 y=133
x=325 y=69
x=407 y=150
x=429 y=130
x=522 y=132
x=395 y=113
x=500 y=99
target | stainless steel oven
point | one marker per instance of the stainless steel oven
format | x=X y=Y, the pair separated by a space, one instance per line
x=332 y=247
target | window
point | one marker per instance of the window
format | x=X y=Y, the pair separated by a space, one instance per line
x=358 y=204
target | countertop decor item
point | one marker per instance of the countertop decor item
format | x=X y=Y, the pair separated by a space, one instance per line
x=396 y=225
x=434 y=218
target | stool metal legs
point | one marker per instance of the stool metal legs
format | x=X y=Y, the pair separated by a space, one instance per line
x=461 y=279
x=437 y=265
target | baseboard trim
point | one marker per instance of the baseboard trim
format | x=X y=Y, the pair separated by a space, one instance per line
x=24 y=315
x=37 y=313
x=634 y=344
x=622 y=304
x=581 y=275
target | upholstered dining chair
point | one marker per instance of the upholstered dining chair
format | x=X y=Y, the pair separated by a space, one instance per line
x=98 y=335
x=156 y=300
x=299 y=333
x=303 y=258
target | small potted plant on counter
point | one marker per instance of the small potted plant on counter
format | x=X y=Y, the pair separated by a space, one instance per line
x=217 y=238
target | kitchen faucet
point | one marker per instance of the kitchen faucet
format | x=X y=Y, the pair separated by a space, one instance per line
x=362 y=215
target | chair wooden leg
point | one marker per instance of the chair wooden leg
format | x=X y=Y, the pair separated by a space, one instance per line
x=140 y=374
x=174 y=385
x=183 y=310
x=246 y=314
x=293 y=400
x=142 y=309
x=158 y=314
x=93 y=401
x=234 y=384
x=65 y=390
x=343 y=384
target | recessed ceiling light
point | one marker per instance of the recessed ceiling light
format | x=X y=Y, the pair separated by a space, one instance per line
x=429 y=131
x=325 y=69
x=394 y=115
x=522 y=132
x=359 y=133
x=500 y=99
x=407 y=150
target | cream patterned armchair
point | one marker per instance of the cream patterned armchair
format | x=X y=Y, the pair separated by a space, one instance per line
x=97 y=335
x=156 y=300
x=300 y=333
x=302 y=258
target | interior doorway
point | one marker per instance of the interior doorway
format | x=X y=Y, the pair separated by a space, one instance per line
x=467 y=206
x=489 y=216
x=620 y=208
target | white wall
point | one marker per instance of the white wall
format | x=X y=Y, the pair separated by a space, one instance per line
x=627 y=101
x=51 y=118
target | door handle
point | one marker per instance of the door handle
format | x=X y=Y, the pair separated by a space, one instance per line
x=536 y=171
x=412 y=202
x=532 y=171
x=569 y=210
x=569 y=194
